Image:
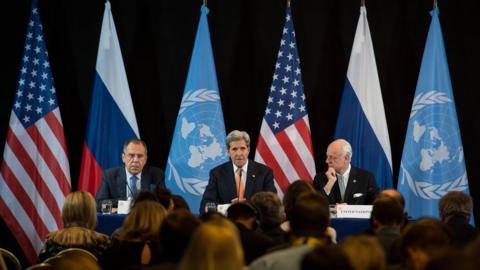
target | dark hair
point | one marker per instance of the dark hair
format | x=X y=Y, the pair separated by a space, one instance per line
x=426 y=234
x=164 y=197
x=388 y=212
x=135 y=141
x=326 y=257
x=241 y=210
x=179 y=202
x=175 y=233
x=269 y=208
x=310 y=215
x=143 y=195
x=291 y=194
x=455 y=203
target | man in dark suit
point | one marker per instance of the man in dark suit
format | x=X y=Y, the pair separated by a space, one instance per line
x=343 y=183
x=124 y=182
x=239 y=178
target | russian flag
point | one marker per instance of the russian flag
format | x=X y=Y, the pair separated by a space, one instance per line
x=111 y=120
x=361 y=118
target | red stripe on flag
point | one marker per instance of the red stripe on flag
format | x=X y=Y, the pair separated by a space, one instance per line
x=304 y=132
x=57 y=129
x=270 y=160
x=293 y=156
x=50 y=159
x=18 y=232
x=32 y=171
x=28 y=206
x=90 y=172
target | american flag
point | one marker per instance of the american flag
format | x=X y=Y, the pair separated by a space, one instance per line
x=34 y=174
x=285 y=144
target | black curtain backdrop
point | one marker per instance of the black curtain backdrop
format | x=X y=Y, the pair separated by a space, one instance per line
x=156 y=37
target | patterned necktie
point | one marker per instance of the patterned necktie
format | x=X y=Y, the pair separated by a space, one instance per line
x=133 y=185
x=238 y=182
x=341 y=185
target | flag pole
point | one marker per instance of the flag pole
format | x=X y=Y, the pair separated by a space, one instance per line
x=362 y=3
x=205 y=2
x=435 y=4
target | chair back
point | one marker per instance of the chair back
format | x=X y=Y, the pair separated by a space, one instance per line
x=11 y=261
x=40 y=266
x=74 y=259
x=78 y=252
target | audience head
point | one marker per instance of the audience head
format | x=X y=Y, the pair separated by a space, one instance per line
x=179 y=203
x=165 y=198
x=310 y=216
x=79 y=210
x=143 y=195
x=293 y=191
x=244 y=213
x=326 y=257
x=238 y=147
x=394 y=194
x=214 y=245
x=339 y=154
x=455 y=203
x=143 y=222
x=134 y=155
x=422 y=240
x=176 y=231
x=387 y=212
x=270 y=210
x=364 y=253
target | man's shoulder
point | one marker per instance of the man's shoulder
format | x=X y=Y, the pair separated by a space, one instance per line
x=361 y=173
x=258 y=166
x=222 y=167
x=113 y=172
x=152 y=170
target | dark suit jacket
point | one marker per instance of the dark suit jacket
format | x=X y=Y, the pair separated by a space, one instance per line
x=221 y=187
x=361 y=188
x=114 y=183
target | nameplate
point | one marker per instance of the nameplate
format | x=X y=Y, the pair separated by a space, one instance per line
x=124 y=206
x=353 y=211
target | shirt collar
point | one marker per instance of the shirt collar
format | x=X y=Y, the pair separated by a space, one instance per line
x=244 y=168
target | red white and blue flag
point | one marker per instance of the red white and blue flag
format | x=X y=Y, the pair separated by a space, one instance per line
x=285 y=143
x=112 y=120
x=35 y=174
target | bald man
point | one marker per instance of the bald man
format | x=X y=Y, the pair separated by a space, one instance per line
x=343 y=183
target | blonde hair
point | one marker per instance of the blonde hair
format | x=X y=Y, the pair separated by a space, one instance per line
x=143 y=222
x=364 y=253
x=79 y=210
x=215 y=245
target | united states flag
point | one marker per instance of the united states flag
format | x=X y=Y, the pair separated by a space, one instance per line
x=285 y=143
x=35 y=175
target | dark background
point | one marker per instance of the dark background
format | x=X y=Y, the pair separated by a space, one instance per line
x=156 y=37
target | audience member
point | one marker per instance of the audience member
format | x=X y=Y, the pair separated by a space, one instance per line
x=254 y=244
x=165 y=197
x=455 y=209
x=143 y=196
x=364 y=253
x=175 y=233
x=215 y=245
x=180 y=203
x=421 y=241
x=309 y=219
x=79 y=218
x=136 y=242
x=270 y=216
x=326 y=257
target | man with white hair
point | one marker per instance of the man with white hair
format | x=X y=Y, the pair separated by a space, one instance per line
x=343 y=183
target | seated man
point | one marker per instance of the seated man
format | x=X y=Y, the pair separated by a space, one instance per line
x=123 y=182
x=239 y=178
x=343 y=183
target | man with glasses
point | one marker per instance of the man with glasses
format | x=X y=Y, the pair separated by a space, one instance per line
x=343 y=183
x=122 y=183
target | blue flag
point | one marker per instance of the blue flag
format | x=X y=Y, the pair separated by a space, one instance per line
x=432 y=161
x=361 y=118
x=199 y=140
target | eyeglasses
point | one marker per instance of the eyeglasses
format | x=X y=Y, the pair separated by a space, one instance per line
x=333 y=158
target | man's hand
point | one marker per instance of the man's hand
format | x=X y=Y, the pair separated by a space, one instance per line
x=332 y=178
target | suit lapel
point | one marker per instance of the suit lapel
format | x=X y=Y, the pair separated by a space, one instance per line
x=144 y=181
x=249 y=182
x=352 y=182
x=230 y=179
x=122 y=185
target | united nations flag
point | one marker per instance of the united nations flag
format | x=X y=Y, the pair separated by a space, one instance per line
x=432 y=161
x=199 y=140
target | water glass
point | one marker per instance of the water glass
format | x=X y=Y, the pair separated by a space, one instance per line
x=106 y=207
x=210 y=207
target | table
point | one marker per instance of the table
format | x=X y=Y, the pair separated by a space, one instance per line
x=108 y=223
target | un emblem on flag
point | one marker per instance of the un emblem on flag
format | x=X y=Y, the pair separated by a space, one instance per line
x=199 y=142
x=433 y=161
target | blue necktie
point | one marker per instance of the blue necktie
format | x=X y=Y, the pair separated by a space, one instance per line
x=133 y=185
